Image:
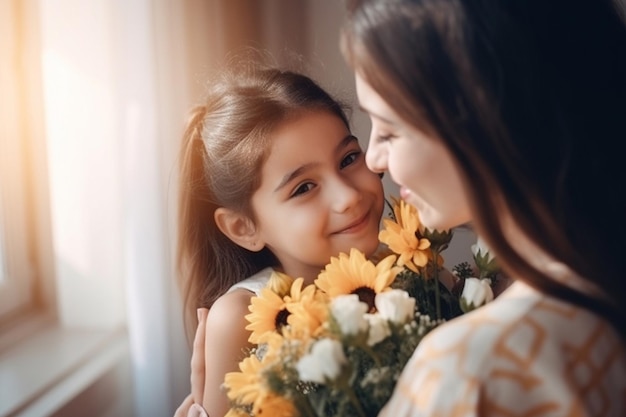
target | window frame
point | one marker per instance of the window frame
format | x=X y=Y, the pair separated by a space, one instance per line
x=27 y=292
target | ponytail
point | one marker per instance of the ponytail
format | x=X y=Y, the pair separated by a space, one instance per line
x=208 y=263
x=195 y=218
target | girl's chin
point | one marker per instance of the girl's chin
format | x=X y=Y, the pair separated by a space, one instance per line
x=367 y=248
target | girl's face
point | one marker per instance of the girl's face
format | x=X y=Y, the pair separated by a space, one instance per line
x=317 y=197
x=420 y=165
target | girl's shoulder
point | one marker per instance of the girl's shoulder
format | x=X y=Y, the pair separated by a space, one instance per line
x=231 y=308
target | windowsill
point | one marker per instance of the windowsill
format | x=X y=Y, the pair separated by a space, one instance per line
x=43 y=372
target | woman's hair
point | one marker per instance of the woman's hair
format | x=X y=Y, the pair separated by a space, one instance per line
x=530 y=99
x=226 y=142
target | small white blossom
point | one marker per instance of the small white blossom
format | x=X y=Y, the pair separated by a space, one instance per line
x=322 y=363
x=481 y=248
x=395 y=305
x=476 y=292
x=349 y=313
x=379 y=329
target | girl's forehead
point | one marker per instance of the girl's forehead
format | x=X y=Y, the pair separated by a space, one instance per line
x=312 y=140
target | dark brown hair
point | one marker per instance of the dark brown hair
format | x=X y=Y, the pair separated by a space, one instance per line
x=530 y=99
x=226 y=141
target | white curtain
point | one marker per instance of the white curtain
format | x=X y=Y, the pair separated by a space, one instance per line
x=115 y=92
x=152 y=98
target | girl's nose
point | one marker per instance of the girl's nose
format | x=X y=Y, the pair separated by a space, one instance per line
x=345 y=195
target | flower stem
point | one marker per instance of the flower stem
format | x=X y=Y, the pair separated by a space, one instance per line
x=304 y=406
x=436 y=281
x=355 y=401
x=370 y=352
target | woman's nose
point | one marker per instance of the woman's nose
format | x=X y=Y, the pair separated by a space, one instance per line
x=375 y=157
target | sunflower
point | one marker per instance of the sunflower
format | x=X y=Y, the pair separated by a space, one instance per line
x=280 y=283
x=268 y=313
x=402 y=236
x=308 y=308
x=237 y=412
x=354 y=274
x=274 y=406
x=272 y=347
x=245 y=386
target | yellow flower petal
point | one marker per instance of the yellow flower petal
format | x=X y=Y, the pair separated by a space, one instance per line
x=280 y=283
x=245 y=386
x=353 y=274
x=272 y=405
x=403 y=237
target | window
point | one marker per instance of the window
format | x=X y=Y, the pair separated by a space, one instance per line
x=23 y=206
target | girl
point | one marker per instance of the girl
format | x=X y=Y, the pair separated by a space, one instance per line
x=271 y=179
x=509 y=115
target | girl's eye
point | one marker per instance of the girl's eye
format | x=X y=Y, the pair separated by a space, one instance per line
x=303 y=189
x=350 y=159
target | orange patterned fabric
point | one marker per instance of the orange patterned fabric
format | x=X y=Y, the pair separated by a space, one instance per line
x=525 y=354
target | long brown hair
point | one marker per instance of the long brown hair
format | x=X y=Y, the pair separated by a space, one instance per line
x=225 y=143
x=530 y=99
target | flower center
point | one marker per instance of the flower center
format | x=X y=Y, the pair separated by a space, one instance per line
x=367 y=296
x=281 y=319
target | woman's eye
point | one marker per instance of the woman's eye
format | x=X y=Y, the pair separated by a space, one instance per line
x=384 y=138
x=350 y=159
x=302 y=189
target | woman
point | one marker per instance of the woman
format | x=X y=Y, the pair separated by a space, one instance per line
x=508 y=115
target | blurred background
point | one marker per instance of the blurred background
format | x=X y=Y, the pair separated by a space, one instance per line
x=93 y=99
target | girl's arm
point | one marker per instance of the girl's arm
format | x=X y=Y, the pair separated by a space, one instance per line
x=225 y=344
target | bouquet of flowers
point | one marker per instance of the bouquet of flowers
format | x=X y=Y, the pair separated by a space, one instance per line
x=337 y=347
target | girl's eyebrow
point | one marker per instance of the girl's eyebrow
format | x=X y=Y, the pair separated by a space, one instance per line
x=298 y=171
x=346 y=141
x=293 y=174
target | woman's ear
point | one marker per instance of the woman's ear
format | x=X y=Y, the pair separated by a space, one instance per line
x=239 y=228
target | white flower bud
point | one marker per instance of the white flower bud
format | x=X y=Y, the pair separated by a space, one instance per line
x=476 y=292
x=395 y=305
x=379 y=329
x=349 y=313
x=322 y=363
x=481 y=248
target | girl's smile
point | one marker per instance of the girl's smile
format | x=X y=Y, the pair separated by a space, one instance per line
x=358 y=225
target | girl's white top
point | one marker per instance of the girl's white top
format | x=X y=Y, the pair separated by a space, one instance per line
x=254 y=283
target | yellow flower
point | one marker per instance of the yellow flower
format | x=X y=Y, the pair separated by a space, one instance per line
x=273 y=346
x=280 y=283
x=309 y=310
x=402 y=237
x=245 y=386
x=354 y=274
x=236 y=412
x=268 y=313
x=274 y=406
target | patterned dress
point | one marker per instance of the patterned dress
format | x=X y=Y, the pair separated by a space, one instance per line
x=524 y=354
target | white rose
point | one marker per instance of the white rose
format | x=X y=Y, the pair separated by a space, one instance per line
x=395 y=305
x=379 y=329
x=322 y=363
x=349 y=313
x=476 y=292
